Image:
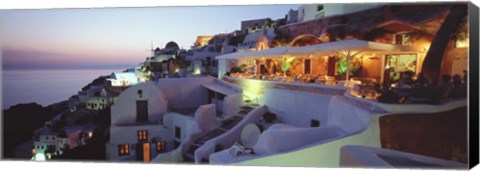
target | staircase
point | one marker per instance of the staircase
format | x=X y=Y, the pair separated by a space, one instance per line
x=224 y=127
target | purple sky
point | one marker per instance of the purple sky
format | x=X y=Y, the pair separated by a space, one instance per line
x=112 y=37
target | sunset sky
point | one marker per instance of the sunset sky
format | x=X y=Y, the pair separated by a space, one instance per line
x=112 y=37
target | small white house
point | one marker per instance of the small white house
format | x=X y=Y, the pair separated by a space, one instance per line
x=98 y=103
x=160 y=114
x=123 y=79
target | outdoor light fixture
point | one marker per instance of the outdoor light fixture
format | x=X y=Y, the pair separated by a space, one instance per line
x=39 y=157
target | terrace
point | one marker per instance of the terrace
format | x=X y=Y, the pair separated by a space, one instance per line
x=353 y=64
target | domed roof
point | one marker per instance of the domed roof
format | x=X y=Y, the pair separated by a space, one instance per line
x=171 y=45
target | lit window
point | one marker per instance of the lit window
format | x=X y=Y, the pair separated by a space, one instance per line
x=160 y=146
x=462 y=43
x=402 y=39
x=123 y=149
x=142 y=135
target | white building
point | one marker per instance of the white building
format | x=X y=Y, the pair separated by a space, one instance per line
x=339 y=9
x=122 y=79
x=48 y=143
x=99 y=103
x=292 y=16
x=315 y=11
x=162 y=114
x=258 y=40
x=199 y=60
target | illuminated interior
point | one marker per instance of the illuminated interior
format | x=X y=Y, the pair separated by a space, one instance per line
x=401 y=63
x=123 y=149
x=146 y=152
x=142 y=135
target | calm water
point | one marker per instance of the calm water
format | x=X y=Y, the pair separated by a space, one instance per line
x=45 y=86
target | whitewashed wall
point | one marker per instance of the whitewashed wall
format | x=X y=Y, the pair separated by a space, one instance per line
x=124 y=110
x=186 y=92
x=345 y=115
x=222 y=68
x=298 y=108
x=187 y=124
x=128 y=135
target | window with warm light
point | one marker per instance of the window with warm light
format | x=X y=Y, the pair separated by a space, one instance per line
x=123 y=149
x=461 y=43
x=142 y=135
x=403 y=39
x=160 y=146
x=307 y=66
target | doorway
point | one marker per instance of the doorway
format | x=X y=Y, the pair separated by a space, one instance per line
x=143 y=152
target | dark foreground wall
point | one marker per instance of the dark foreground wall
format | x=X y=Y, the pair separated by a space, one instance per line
x=442 y=135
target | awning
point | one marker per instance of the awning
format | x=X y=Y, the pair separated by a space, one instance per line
x=323 y=48
x=352 y=45
x=272 y=52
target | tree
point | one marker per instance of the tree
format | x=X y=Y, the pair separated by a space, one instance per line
x=433 y=59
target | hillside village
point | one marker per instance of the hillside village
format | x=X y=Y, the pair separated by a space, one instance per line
x=331 y=83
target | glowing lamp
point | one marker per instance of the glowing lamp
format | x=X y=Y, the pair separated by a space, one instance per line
x=39 y=157
x=196 y=71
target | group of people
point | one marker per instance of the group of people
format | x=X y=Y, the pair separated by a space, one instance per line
x=451 y=87
x=406 y=81
x=420 y=88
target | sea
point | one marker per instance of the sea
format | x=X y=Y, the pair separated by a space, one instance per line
x=45 y=87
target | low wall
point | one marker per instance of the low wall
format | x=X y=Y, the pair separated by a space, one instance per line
x=378 y=107
x=298 y=103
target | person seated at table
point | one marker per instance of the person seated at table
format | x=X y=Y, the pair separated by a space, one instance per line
x=263 y=69
x=406 y=80
x=443 y=89
x=421 y=90
x=421 y=81
x=459 y=89
x=388 y=97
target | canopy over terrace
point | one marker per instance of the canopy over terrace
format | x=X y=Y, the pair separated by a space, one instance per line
x=322 y=49
x=344 y=48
